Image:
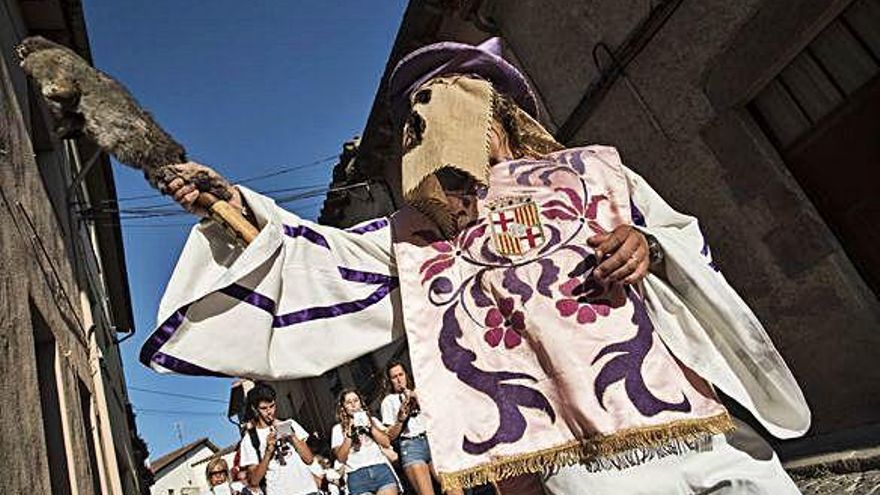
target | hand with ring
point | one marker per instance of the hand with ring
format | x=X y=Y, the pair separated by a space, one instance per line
x=623 y=255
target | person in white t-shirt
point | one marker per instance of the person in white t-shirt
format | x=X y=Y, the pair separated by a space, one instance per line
x=401 y=414
x=274 y=452
x=357 y=442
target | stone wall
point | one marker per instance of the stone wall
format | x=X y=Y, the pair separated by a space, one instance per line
x=33 y=287
x=57 y=351
x=678 y=117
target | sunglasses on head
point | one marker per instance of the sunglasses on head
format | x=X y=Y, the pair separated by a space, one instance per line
x=455 y=181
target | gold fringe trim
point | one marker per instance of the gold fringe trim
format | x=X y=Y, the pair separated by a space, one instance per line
x=622 y=449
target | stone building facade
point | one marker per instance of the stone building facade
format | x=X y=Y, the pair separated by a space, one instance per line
x=759 y=117
x=66 y=424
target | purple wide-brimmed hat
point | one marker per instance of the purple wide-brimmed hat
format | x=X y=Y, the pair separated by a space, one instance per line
x=448 y=58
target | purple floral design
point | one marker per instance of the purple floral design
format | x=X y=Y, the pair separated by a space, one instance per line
x=583 y=297
x=509 y=398
x=626 y=365
x=504 y=324
x=576 y=302
x=575 y=208
x=498 y=311
x=448 y=252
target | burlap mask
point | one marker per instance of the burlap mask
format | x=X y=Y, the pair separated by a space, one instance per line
x=447 y=126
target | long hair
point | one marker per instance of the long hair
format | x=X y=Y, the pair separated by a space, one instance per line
x=340 y=403
x=342 y=415
x=525 y=136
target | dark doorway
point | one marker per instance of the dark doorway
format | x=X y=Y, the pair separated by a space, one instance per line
x=823 y=114
x=838 y=166
x=85 y=404
x=45 y=352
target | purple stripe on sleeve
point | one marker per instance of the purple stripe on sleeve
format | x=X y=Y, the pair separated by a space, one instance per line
x=150 y=351
x=637 y=217
x=251 y=297
x=318 y=313
x=364 y=277
x=307 y=233
x=162 y=335
x=178 y=365
x=386 y=283
x=378 y=224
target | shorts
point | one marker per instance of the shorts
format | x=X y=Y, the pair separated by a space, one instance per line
x=371 y=479
x=414 y=450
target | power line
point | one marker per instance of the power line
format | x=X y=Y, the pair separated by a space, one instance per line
x=174 y=394
x=165 y=204
x=287 y=170
x=245 y=180
x=166 y=412
x=164 y=211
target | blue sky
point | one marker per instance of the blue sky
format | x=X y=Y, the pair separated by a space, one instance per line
x=248 y=88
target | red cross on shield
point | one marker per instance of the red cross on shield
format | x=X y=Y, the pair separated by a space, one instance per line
x=516 y=226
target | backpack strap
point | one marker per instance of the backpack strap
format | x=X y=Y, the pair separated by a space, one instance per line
x=255 y=441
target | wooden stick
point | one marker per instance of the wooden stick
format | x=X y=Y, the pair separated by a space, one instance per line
x=231 y=218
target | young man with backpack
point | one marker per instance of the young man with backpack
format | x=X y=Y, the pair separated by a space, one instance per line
x=274 y=453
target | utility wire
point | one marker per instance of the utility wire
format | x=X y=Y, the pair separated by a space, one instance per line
x=164 y=204
x=161 y=211
x=287 y=170
x=174 y=394
x=254 y=178
x=130 y=222
x=166 y=412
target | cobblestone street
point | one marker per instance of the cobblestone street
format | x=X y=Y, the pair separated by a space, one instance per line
x=830 y=483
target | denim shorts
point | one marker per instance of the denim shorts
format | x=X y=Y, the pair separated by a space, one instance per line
x=414 y=451
x=371 y=479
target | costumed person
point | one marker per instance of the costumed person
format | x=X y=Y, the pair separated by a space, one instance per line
x=561 y=317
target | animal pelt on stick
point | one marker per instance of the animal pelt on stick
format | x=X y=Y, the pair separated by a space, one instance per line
x=82 y=99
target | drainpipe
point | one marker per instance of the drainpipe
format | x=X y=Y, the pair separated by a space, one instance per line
x=102 y=424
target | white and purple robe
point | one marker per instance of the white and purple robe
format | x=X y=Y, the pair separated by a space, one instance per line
x=502 y=323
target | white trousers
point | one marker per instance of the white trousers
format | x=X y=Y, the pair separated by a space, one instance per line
x=739 y=463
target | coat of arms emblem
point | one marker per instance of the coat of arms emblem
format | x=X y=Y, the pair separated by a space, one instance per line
x=516 y=226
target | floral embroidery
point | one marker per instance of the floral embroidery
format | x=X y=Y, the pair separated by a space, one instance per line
x=448 y=251
x=439 y=263
x=577 y=301
x=504 y=324
x=574 y=207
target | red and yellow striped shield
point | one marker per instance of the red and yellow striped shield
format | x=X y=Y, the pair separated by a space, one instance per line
x=516 y=226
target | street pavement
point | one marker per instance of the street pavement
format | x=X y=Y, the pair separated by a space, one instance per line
x=828 y=483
